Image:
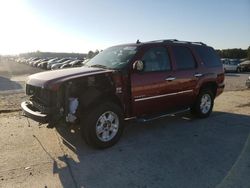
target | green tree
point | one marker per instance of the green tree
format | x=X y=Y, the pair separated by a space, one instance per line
x=90 y=54
x=234 y=53
x=96 y=52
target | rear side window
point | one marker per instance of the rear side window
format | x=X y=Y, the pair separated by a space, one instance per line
x=156 y=59
x=208 y=56
x=184 y=58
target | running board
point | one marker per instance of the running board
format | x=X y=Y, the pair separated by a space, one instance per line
x=151 y=118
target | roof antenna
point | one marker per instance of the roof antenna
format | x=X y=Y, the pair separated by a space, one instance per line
x=138 y=41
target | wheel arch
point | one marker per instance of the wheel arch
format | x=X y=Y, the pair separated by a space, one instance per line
x=210 y=85
x=95 y=97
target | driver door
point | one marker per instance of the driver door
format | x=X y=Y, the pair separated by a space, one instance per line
x=151 y=88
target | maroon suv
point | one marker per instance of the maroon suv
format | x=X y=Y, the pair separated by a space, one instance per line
x=142 y=81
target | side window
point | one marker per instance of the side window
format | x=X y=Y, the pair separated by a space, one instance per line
x=156 y=59
x=184 y=58
x=209 y=57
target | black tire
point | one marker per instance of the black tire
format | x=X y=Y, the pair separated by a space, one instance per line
x=197 y=109
x=92 y=118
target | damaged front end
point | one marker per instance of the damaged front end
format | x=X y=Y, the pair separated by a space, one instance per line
x=50 y=106
x=57 y=95
x=44 y=105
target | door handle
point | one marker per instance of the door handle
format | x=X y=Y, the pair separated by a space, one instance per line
x=170 y=78
x=197 y=75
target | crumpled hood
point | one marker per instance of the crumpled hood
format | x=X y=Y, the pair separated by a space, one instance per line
x=44 y=79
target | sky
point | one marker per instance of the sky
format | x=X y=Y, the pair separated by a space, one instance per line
x=83 y=25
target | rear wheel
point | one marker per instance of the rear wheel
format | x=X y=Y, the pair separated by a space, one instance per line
x=204 y=104
x=103 y=126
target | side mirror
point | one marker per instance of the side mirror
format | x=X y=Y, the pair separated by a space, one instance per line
x=138 y=65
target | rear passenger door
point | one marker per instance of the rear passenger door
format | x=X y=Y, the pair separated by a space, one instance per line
x=186 y=73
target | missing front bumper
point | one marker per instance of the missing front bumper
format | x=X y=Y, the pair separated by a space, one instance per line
x=31 y=112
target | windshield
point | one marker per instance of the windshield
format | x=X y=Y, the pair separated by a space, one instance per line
x=113 y=58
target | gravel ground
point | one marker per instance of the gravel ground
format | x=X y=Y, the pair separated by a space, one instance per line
x=177 y=151
x=235 y=81
x=12 y=83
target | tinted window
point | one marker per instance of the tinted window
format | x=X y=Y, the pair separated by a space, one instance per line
x=156 y=59
x=208 y=56
x=184 y=58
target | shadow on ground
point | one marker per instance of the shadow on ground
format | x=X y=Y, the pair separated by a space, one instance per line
x=177 y=151
x=6 y=84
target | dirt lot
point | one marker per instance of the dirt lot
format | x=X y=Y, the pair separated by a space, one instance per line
x=178 y=151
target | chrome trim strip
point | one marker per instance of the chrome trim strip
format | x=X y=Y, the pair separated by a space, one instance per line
x=129 y=118
x=165 y=95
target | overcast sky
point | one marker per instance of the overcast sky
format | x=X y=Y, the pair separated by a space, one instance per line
x=83 y=25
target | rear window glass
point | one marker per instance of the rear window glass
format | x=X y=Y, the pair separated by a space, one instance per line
x=184 y=58
x=208 y=56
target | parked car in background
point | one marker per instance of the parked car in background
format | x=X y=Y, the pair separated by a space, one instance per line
x=43 y=64
x=20 y=60
x=50 y=64
x=58 y=65
x=34 y=64
x=245 y=65
x=27 y=60
x=65 y=66
x=231 y=65
x=75 y=63
x=32 y=60
x=142 y=81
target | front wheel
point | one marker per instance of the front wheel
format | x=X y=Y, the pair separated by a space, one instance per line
x=103 y=125
x=204 y=104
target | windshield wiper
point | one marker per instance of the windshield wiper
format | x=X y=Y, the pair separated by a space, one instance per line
x=99 y=66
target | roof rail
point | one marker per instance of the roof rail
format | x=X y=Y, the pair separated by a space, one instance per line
x=178 y=41
x=171 y=40
x=201 y=43
x=187 y=42
x=163 y=40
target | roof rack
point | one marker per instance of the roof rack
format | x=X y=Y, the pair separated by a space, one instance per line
x=163 y=40
x=178 y=41
x=187 y=42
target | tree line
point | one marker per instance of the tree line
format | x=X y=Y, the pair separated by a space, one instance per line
x=235 y=53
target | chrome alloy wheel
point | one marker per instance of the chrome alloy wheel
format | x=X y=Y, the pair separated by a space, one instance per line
x=206 y=103
x=107 y=126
